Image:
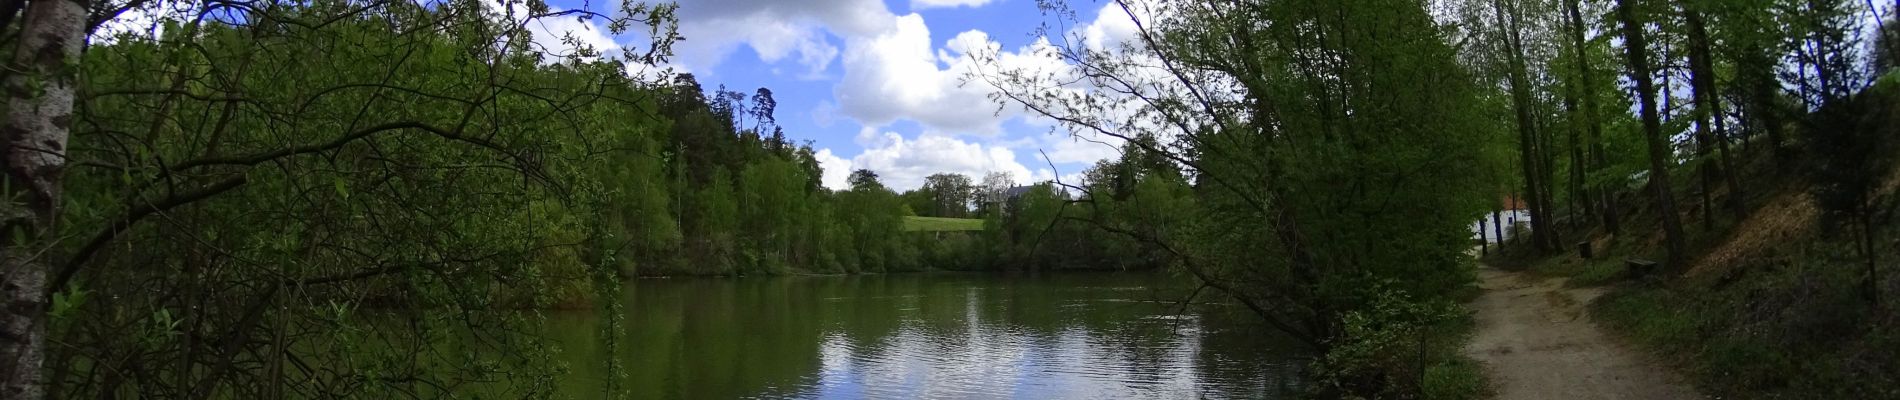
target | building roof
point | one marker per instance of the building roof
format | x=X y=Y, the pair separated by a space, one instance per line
x=1017 y=191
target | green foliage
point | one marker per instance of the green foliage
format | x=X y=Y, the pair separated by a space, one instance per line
x=637 y=203
x=1458 y=379
x=1647 y=316
x=1849 y=137
x=246 y=183
x=943 y=195
x=716 y=210
x=1316 y=150
x=65 y=302
x=1390 y=339
x=262 y=181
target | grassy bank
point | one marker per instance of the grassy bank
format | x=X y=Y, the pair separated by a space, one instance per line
x=935 y=224
x=1449 y=374
x=1792 y=323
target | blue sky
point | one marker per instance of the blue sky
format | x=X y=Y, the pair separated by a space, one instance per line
x=877 y=84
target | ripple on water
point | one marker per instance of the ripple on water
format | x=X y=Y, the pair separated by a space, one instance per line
x=998 y=363
x=961 y=339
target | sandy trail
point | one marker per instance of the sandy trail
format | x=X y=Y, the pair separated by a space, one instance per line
x=1537 y=342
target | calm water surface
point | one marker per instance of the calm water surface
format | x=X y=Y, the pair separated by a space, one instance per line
x=953 y=336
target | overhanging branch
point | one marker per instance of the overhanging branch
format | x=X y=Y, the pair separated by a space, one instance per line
x=133 y=216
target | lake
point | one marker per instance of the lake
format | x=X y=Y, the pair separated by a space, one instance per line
x=930 y=335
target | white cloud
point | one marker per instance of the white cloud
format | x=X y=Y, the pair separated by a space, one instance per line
x=1085 y=149
x=894 y=75
x=837 y=170
x=773 y=40
x=903 y=163
x=656 y=73
x=552 y=34
x=1072 y=179
x=775 y=30
x=844 y=17
x=893 y=70
x=897 y=75
x=923 y=4
x=1107 y=106
x=555 y=37
x=1113 y=27
x=143 y=21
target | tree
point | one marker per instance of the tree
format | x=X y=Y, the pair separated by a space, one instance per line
x=1531 y=153
x=864 y=179
x=1032 y=232
x=1825 y=52
x=1591 y=113
x=774 y=204
x=1303 y=123
x=1708 y=104
x=1753 y=40
x=950 y=194
x=1843 y=133
x=995 y=191
x=1847 y=142
x=763 y=108
x=639 y=204
x=718 y=223
x=874 y=216
x=41 y=89
x=290 y=163
x=1636 y=46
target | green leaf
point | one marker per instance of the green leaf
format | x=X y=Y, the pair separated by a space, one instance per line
x=341 y=188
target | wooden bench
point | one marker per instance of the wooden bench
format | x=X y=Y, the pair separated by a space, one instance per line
x=1638 y=267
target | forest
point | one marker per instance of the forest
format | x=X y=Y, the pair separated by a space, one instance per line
x=301 y=199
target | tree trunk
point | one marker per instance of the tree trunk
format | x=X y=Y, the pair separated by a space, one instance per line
x=1600 y=158
x=40 y=94
x=1703 y=65
x=1659 y=153
x=1527 y=135
x=1735 y=192
x=1497 y=224
x=1872 y=285
x=1577 y=192
x=1548 y=168
x=1700 y=48
x=1762 y=89
x=1710 y=128
x=1484 y=240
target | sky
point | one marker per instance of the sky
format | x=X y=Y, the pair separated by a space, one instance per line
x=872 y=84
x=877 y=84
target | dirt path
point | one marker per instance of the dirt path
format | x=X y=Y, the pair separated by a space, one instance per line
x=1537 y=342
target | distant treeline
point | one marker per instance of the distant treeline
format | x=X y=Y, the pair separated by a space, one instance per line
x=720 y=190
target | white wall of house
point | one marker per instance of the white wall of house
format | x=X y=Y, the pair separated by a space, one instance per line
x=1510 y=220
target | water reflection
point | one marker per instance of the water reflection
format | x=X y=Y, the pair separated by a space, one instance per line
x=946 y=336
